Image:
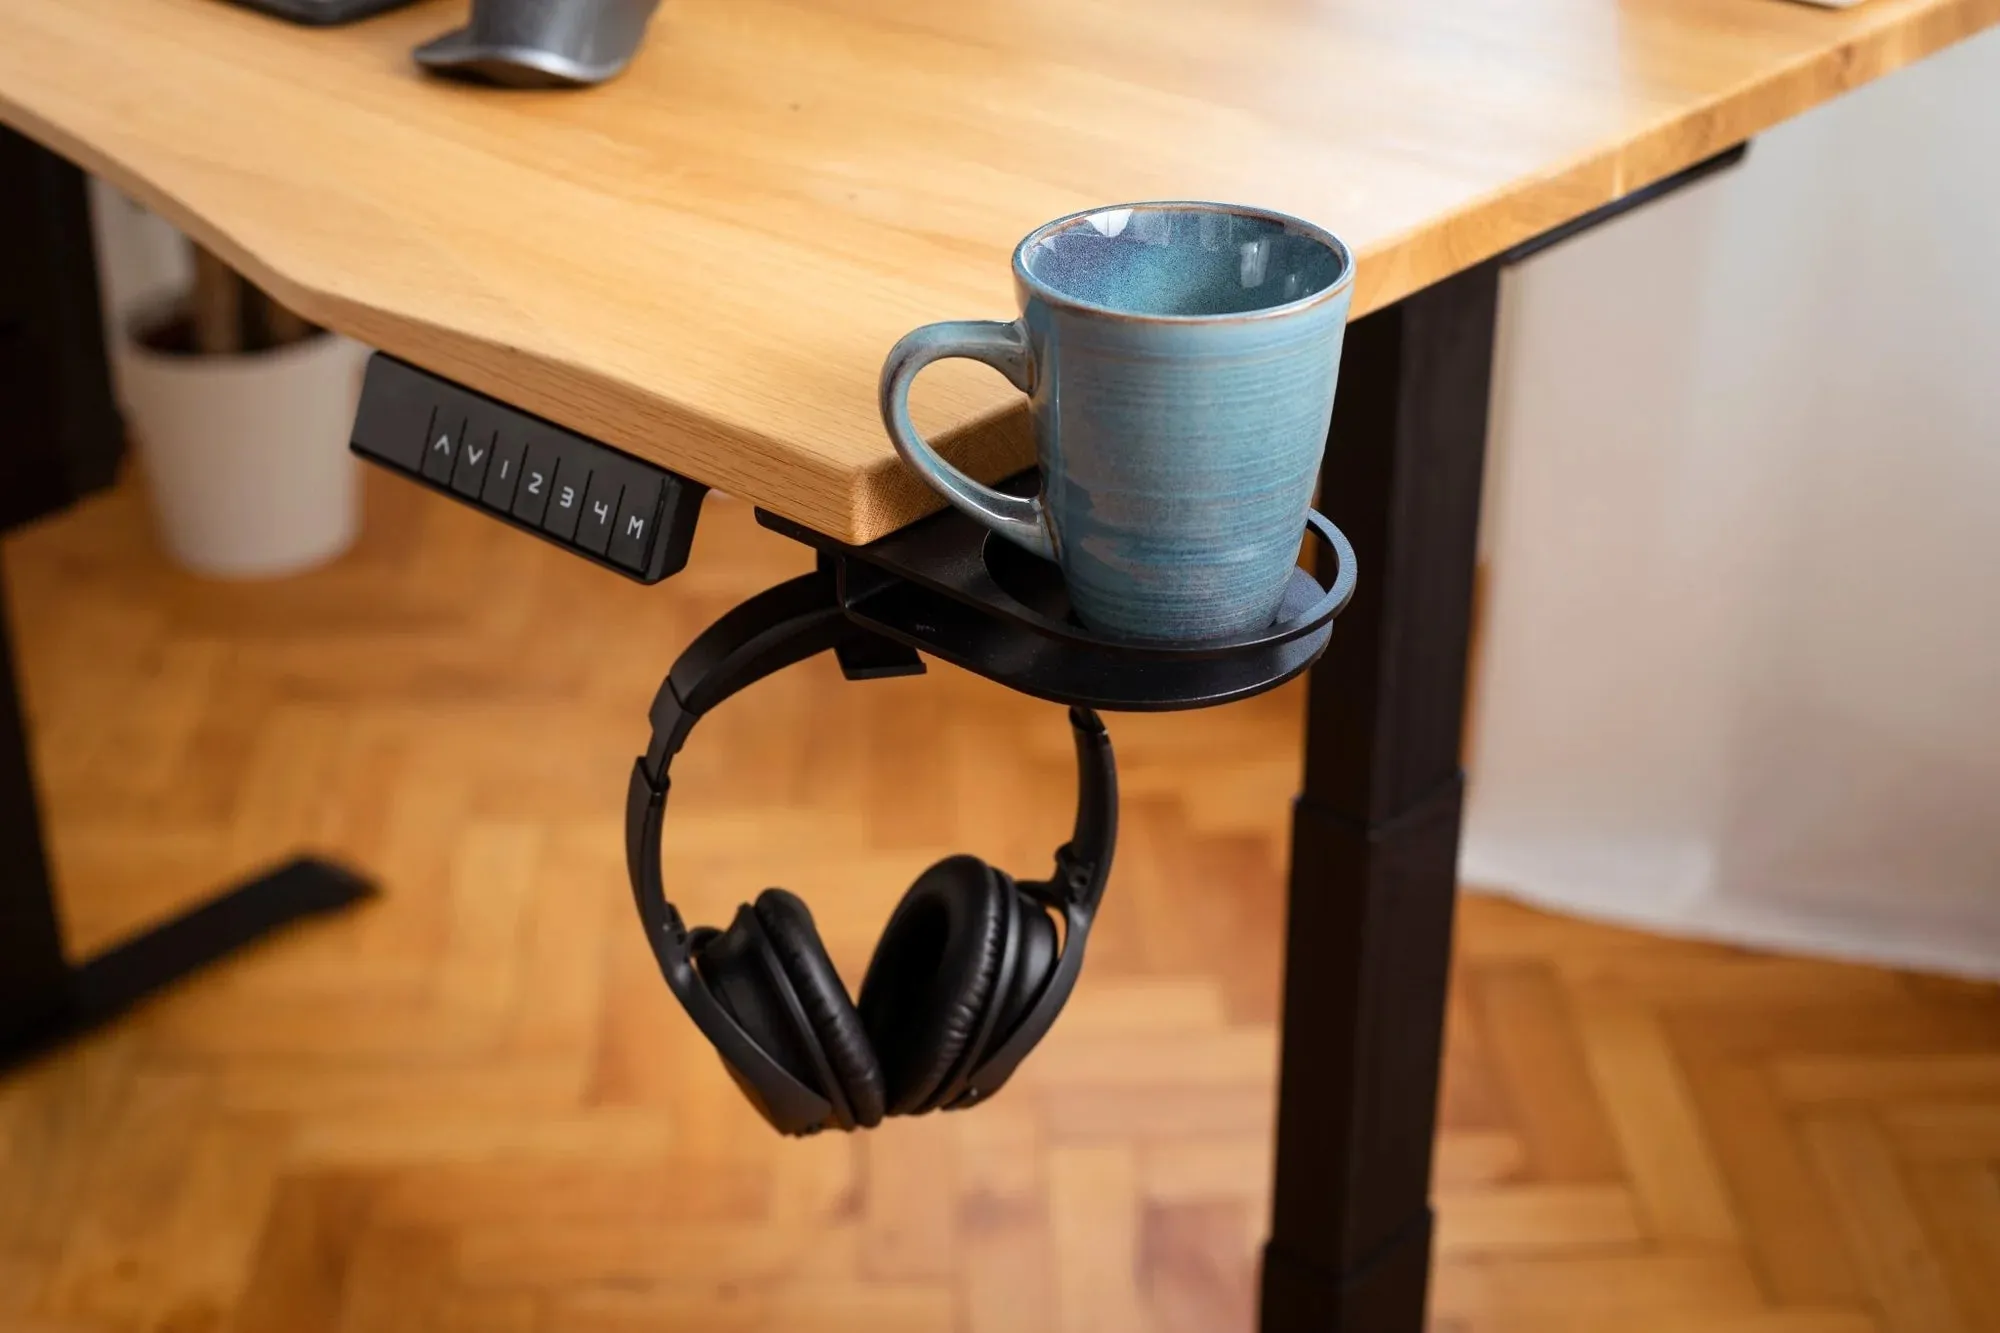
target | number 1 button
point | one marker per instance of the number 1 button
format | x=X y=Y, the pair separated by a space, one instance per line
x=531 y=497
x=503 y=474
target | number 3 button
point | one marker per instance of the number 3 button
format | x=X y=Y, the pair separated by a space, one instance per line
x=566 y=490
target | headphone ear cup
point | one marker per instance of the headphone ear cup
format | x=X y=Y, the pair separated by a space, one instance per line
x=736 y=967
x=933 y=975
x=789 y=924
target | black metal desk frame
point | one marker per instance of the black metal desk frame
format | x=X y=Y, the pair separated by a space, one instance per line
x=1375 y=826
x=64 y=440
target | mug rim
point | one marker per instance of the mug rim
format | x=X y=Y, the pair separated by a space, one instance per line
x=1291 y=222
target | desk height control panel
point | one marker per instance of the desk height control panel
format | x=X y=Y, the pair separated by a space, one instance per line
x=603 y=505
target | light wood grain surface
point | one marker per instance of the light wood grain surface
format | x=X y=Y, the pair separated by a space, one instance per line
x=705 y=262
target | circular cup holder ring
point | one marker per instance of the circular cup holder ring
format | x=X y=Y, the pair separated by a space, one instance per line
x=1035 y=587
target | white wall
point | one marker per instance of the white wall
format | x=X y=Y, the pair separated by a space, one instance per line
x=1741 y=667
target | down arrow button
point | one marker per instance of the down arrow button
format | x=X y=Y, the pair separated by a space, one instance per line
x=475 y=456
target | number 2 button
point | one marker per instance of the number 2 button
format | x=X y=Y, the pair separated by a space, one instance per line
x=531 y=501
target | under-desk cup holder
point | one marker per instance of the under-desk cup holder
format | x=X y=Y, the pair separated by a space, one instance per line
x=1037 y=589
x=942 y=587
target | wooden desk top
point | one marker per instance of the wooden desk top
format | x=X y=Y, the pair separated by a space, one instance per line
x=704 y=262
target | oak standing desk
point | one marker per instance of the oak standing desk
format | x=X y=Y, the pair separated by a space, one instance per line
x=703 y=264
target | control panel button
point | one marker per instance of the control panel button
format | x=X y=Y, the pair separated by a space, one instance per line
x=531 y=497
x=600 y=507
x=441 y=448
x=566 y=493
x=632 y=530
x=503 y=474
x=475 y=456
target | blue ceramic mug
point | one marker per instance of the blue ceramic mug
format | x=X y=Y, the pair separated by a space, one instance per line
x=1180 y=359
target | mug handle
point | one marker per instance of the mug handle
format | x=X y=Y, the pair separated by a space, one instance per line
x=1003 y=346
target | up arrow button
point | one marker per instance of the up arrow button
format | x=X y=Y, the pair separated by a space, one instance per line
x=447 y=429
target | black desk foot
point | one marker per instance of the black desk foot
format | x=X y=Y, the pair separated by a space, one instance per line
x=103 y=988
x=1387 y=1291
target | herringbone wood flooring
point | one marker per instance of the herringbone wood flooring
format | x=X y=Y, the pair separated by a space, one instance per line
x=471 y=1106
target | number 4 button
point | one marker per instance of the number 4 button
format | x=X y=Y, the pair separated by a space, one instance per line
x=600 y=506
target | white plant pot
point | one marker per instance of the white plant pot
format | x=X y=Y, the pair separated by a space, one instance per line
x=246 y=456
x=142 y=262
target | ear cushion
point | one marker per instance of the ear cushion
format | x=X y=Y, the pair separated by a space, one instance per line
x=933 y=974
x=1038 y=954
x=736 y=966
x=795 y=940
x=1021 y=984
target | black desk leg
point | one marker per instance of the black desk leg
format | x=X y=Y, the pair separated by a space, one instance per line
x=61 y=437
x=1375 y=829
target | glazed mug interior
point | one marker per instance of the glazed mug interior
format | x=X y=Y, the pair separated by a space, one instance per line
x=1179 y=261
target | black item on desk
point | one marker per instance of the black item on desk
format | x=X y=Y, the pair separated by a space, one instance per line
x=322 y=13
x=541 y=43
x=969 y=973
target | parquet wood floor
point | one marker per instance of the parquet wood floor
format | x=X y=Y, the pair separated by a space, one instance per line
x=470 y=1106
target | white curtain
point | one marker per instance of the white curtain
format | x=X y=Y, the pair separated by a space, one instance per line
x=1740 y=666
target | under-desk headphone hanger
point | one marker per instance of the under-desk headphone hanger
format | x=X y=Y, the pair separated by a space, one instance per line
x=971 y=970
x=969 y=973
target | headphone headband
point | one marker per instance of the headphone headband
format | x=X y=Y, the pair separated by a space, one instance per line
x=788 y=623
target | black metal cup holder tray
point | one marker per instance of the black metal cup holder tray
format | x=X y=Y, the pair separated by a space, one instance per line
x=946 y=587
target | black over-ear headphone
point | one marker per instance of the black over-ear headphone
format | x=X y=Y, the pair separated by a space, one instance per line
x=969 y=973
